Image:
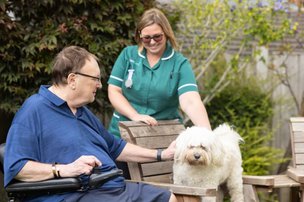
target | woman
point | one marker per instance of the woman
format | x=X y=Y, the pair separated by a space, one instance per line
x=150 y=80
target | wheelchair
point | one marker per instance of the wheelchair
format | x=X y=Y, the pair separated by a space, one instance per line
x=17 y=190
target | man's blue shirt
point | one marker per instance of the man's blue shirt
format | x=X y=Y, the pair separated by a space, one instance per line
x=45 y=130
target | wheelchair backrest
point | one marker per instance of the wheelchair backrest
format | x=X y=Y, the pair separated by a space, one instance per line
x=2 y=147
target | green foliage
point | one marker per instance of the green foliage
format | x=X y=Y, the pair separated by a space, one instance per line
x=34 y=31
x=245 y=106
x=209 y=29
x=221 y=39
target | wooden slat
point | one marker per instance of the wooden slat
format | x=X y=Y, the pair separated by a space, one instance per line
x=297 y=126
x=160 y=130
x=136 y=171
x=300 y=167
x=297 y=119
x=292 y=137
x=298 y=136
x=125 y=135
x=274 y=181
x=187 y=190
x=184 y=190
x=299 y=159
x=296 y=173
x=143 y=130
x=258 y=180
x=299 y=148
x=157 y=168
x=158 y=142
x=127 y=124
x=166 y=178
x=281 y=181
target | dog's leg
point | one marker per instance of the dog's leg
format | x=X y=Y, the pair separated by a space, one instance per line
x=235 y=186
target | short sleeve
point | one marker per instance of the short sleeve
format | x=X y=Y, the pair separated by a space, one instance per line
x=117 y=74
x=187 y=80
x=116 y=145
x=21 y=146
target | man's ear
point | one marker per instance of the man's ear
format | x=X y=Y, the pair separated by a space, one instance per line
x=71 y=81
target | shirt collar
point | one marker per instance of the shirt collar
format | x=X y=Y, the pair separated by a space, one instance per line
x=169 y=52
x=44 y=91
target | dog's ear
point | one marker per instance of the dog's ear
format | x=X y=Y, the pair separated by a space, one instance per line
x=180 y=153
x=177 y=156
x=179 y=147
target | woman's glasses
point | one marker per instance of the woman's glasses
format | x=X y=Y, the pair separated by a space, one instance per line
x=147 y=38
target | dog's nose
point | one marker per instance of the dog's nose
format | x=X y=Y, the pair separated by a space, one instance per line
x=197 y=156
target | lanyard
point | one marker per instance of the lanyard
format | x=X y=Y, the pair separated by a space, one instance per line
x=129 y=82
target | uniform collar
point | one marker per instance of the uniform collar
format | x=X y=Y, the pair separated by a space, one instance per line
x=169 y=52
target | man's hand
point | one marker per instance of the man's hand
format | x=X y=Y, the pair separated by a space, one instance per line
x=83 y=165
x=168 y=153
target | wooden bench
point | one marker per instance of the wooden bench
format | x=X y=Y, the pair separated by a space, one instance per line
x=159 y=137
x=270 y=183
x=160 y=173
x=296 y=170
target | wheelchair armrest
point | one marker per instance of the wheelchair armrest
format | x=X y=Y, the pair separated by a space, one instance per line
x=97 y=179
x=52 y=185
x=59 y=185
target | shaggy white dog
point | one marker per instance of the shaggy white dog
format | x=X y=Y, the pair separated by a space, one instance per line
x=205 y=158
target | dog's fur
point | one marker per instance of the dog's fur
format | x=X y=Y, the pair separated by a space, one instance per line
x=207 y=158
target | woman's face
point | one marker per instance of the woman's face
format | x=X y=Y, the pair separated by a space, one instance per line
x=153 y=39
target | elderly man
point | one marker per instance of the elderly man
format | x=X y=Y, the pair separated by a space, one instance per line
x=54 y=135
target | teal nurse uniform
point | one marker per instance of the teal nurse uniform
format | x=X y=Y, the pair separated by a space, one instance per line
x=151 y=91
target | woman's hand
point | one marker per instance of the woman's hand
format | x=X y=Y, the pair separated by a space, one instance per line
x=144 y=118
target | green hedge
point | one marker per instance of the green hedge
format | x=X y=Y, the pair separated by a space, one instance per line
x=245 y=106
x=34 y=31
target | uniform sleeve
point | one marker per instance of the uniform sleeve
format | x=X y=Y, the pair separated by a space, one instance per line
x=117 y=75
x=187 y=80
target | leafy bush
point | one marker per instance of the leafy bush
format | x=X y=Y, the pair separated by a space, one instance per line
x=245 y=106
x=34 y=31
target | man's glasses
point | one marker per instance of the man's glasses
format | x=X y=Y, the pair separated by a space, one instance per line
x=97 y=79
x=147 y=38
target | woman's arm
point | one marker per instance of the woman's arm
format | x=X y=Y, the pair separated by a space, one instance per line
x=193 y=106
x=122 y=105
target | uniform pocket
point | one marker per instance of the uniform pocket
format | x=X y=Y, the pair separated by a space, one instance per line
x=173 y=83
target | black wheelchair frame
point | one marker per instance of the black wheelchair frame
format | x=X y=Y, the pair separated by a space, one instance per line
x=17 y=190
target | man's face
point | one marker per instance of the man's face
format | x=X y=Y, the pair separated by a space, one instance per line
x=88 y=82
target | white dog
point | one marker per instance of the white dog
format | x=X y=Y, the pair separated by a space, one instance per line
x=205 y=158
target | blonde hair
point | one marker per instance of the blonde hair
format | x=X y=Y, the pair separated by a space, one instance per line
x=155 y=16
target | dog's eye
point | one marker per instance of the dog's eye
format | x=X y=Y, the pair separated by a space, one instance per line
x=190 y=146
x=203 y=147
